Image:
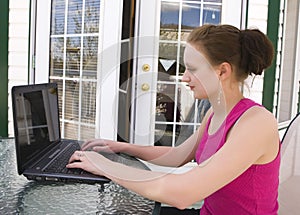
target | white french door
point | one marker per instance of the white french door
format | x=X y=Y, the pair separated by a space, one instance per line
x=165 y=111
x=77 y=45
x=119 y=64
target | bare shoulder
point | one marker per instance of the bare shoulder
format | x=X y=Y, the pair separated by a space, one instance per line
x=258 y=128
x=258 y=116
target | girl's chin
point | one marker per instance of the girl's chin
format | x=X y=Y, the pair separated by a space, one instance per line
x=199 y=96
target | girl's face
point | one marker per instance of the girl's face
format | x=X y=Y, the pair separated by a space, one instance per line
x=199 y=74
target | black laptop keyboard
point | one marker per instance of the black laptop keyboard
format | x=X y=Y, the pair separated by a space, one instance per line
x=58 y=165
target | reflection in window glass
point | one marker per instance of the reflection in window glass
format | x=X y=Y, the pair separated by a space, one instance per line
x=169 y=21
x=165 y=104
x=163 y=134
x=88 y=102
x=74 y=17
x=56 y=57
x=167 y=61
x=70 y=129
x=91 y=16
x=71 y=100
x=211 y=14
x=58 y=17
x=73 y=57
x=90 y=57
x=190 y=16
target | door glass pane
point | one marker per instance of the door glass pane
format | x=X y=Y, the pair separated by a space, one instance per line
x=178 y=115
x=58 y=17
x=90 y=57
x=74 y=20
x=73 y=57
x=190 y=16
x=211 y=14
x=71 y=100
x=91 y=16
x=88 y=102
x=167 y=62
x=165 y=104
x=73 y=65
x=169 y=20
x=56 y=57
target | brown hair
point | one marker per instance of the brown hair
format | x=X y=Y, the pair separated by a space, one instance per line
x=250 y=51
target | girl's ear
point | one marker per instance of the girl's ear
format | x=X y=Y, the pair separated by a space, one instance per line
x=224 y=70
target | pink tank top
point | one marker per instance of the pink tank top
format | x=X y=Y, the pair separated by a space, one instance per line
x=255 y=191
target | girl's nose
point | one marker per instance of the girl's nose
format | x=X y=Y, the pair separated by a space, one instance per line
x=185 y=77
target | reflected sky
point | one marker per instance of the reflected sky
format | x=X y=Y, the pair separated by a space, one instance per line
x=191 y=14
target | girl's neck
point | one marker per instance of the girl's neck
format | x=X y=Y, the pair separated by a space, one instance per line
x=222 y=109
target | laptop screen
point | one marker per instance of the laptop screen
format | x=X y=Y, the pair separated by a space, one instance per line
x=36 y=119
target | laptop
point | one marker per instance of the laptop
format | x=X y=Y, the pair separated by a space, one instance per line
x=41 y=153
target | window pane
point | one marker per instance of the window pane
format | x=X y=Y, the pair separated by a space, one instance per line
x=167 y=62
x=70 y=130
x=165 y=103
x=187 y=104
x=87 y=132
x=72 y=100
x=88 y=102
x=163 y=134
x=60 y=96
x=73 y=57
x=58 y=17
x=74 y=17
x=169 y=21
x=91 y=16
x=56 y=57
x=190 y=16
x=183 y=132
x=211 y=14
x=90 y=57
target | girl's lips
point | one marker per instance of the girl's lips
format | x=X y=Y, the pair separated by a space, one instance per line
x=192 y=87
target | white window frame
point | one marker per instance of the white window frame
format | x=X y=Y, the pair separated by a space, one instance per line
x=108 y=69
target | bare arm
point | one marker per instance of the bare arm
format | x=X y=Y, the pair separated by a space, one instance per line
x=159 y=155
x=241 y=150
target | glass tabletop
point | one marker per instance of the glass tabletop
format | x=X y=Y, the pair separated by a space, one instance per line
x=21 y=196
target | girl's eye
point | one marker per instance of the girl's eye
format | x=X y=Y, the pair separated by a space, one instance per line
x=191 y=69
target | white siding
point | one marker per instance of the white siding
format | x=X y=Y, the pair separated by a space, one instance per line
x=289 y=76
x=257 y=18
x=18 y=49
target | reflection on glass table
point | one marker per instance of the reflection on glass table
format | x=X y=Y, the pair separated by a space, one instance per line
x=20 y=196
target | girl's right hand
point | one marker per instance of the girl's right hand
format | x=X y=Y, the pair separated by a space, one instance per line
x=103 y=145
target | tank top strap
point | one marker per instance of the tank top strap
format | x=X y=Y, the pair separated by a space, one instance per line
x=241 y=107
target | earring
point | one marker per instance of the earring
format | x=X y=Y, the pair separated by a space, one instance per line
x=220 y=93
